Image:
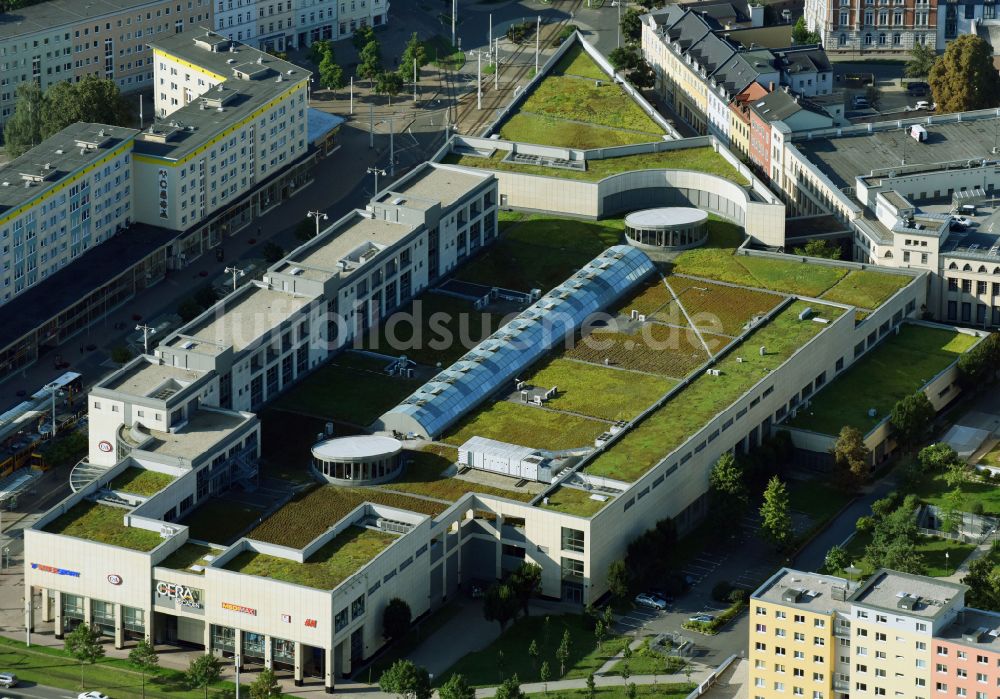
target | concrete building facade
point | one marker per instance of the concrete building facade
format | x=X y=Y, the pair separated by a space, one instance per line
x=866 y=27
x=237 y=19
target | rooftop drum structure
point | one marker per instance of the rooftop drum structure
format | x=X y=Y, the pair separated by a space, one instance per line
x=667 y=228
x=436 y=405
x=358 y=460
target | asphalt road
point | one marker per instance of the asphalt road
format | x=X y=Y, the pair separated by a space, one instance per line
x=37 y=691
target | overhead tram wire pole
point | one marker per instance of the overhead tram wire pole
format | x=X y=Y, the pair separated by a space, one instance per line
x=496 y=75
x=454 y=14
x=538 y=32
x=371 y=125
x=319 y=216
x=376 y=171
x=489 y=39
x=236 y=272
x=352 y=94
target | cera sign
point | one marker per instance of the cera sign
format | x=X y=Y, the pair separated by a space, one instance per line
x=176 y=595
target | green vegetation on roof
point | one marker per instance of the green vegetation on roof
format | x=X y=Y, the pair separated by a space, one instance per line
x=866 y=288
x=424 y=476
x=310 y=514
x=598 y=391
x=717 y=260
x=140 y=481
x=103 y=524
x=582 y=100
x=187 y=555
x=578 y=62
x=352 y=388
x=573 y=501
x=560 y=133
x=688 y=410
x=895 y=369
x=528 y=426
x=220 y=520
x=702 y=159
x=346 y=553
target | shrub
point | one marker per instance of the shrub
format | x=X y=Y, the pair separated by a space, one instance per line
x=736 y=596
x=865 y=524
x=121 y=354
x=720 y=593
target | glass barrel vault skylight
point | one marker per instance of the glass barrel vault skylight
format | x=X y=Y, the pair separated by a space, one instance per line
x=447 y=397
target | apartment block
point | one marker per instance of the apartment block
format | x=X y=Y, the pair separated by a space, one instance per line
x=237 y=19
x=67 y=40
x=354 y=14
x=867 y=26
x=895 y=634
x=314 y=20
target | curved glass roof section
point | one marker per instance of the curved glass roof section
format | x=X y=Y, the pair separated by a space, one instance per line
x=440 y=402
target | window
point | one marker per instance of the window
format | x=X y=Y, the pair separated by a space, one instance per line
x=572 y=540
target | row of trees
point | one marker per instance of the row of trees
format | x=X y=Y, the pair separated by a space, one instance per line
x=410 y=681
x=506 y=599
x=38 y=115
x=628 y=58
x=961 y=79
x=85 y=644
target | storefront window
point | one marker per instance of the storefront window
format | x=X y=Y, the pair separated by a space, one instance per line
x=358 y=607
x=134 y=619
x=340 y=621
x=72 y=606
x=223 y=638
x=253 y=644
x=283 y=650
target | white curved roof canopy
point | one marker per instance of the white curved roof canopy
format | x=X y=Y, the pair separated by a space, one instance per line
x=357 y=447
x=666 y=216
x=443 y=400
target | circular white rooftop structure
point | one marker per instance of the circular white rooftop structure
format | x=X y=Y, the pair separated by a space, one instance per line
x=667 y=228
x=358 y=460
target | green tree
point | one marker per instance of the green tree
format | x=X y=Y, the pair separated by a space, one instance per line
x=265 y=686
x=727 y=491
x=951 y=510
x=203 y=671
x=144 y=658
x=23 y=130
x=562 y=653
x=776 y=517
x=625 y=671
x=533 y=652
x=500 y=604
x=510 y=689
x=331 y=75
x=894 y=536
x=801 y=34
x=406 y=679
x=120 y=354
x=414 y=51
x=362 y=37
x=389 y=83
x=642 y=76
x=396 y=619
x=984 y=585
x=84 y=644
x=921 y=61
x=836 y=560
x=524 y=582
x=591 y=686
x=820 y=248
x=545 y=674
x=370 y=61
x=977 y=367
x=599 y=633
x=851 y=458
x=958 y=474
x=936 y=458
x=618 y=579
x=631 y=25
x=631 y=691
x=911 y=417
x=874 y=96
x=964 y=78
x=318 y=50
x=457 y=687
x=624 y=57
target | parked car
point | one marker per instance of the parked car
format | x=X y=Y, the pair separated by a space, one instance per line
x=860 y=102
x=922 y=104
x=8 y=680
x=917 y=89
x=645 y=600
x=960 y=221
x=703 y=618
x=662 y=594
x=91 y=695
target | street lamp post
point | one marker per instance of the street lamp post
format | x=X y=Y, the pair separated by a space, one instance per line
x=236 y=272
x=53 y=390
x=376 y=171
x=538 y=32
x=618 y=4
x=392 y=147
x=318 y=216
x=454 y=15
x=371 y=125
x=479 y=80
x=496 y=75
x=237 y=659
x=146 y=332
x=352 y=94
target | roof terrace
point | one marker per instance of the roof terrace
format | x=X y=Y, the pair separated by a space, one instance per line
x=150 y=379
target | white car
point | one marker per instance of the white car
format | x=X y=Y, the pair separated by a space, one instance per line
x=922 y=104
x=961 y=221
x=644 y=600
x=92 y=695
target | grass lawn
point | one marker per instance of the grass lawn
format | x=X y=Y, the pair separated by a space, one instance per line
x=528 y=426
x=931 y=488
x=481 y=667
x=576 y=62
x=673 y=690
x=651 y=347
x=582 y=100
x=103 y=524
x=701 y=159
x=324 y=570
x=550 y=131
x=221 y=521
x=715 y=260
x=422 y=476
x=431 y=329
x=441 y=52
x=895 y=369
x=992 y=457
x=188 y=555
x=932 y=549
x=866 y=289
x=706 y=396
x=55 y=668
x=541 y=252
x=345 y=391
x=597 y=391
x=816 y=499
x=310 y=514
x=574 y=501
x=140 y=481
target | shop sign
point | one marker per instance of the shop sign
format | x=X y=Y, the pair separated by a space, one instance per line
x=53 y=569
x=239 y=608
x=311 y=623
x=179 y=594
x=287 y=618
x=115 y=579
x=105 y=446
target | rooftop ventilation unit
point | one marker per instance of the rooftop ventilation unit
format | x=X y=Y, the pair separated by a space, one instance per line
x=187 y=344
x=791 y=594
x=908 y=602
